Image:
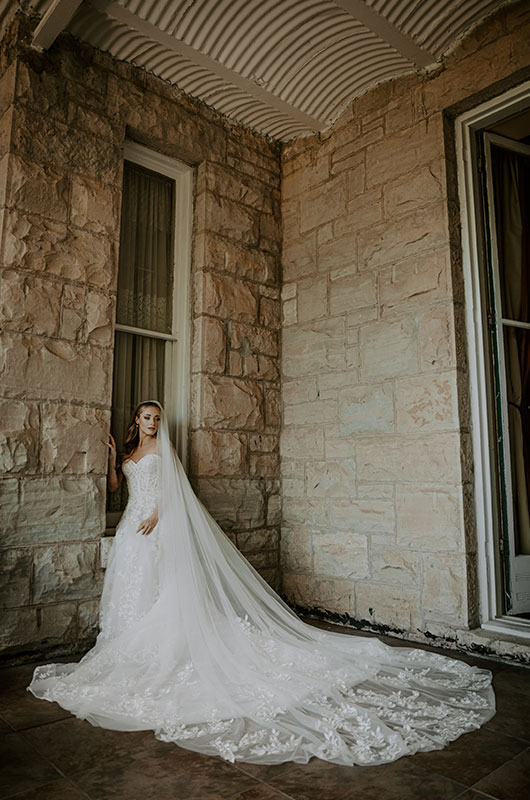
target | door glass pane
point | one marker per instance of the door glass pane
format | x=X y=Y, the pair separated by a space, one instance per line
x=517 y=366
x=145 y=273
x=139 y=363
x=511 y=179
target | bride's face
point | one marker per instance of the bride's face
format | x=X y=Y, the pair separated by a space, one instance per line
x=148 y=420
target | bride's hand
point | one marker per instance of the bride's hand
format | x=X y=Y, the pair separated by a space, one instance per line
x=146 y=527
x=112 y=450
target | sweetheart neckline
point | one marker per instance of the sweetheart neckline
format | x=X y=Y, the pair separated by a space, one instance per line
x=140 y=459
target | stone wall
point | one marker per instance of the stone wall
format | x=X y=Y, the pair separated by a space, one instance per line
x=64 y=117
x=376 y=466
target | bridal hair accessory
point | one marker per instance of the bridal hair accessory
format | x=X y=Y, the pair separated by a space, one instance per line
x=221 y=665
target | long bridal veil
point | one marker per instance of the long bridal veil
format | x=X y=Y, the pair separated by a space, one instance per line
x=221 y=665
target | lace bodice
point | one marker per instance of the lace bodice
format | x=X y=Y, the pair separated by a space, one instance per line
x=143 y=485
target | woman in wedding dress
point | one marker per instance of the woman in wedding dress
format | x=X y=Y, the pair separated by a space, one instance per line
x=196 y=646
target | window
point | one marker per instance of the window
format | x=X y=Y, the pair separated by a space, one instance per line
x=151 y=351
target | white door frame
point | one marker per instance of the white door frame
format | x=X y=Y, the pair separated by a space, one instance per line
x=485 y=115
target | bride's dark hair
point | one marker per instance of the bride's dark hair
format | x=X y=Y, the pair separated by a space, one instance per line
x=132 y=437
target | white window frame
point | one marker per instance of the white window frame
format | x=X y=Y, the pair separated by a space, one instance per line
x=487 y=114
x=177 y=369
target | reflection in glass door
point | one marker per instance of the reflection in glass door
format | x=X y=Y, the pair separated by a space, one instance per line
x=508 y=217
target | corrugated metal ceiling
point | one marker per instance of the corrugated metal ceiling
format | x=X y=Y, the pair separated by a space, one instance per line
x=283 y=67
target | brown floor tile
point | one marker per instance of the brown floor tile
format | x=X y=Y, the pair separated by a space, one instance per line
x=265 y=772
x=514 y=679
x=57 y=790
x=471 y=794
x=395 y=781
x=261 y=792
x=22 y=767
x=176 y=774
x=509 y=782
x=513 y=714
x=74 y=745
x=21 y=710
x=471 y=757
x=12 y=678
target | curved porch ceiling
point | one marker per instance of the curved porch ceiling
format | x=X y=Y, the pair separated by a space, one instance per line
x=282 y=67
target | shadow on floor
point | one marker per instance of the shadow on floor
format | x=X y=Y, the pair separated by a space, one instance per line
x=50 y=755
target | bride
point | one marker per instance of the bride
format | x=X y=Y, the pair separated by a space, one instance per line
x=195 y=645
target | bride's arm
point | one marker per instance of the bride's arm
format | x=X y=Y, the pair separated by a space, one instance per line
x=115 y=477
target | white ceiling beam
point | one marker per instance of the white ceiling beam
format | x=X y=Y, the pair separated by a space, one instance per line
x=387 y=32
x=53 y=22
x=150 y=31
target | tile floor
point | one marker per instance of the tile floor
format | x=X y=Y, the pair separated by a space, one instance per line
x=50 y=755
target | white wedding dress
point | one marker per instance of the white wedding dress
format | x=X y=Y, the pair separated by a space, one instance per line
x=194 y=645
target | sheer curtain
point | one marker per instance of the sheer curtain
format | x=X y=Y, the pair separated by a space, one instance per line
x=511 y=174
x=145 y=297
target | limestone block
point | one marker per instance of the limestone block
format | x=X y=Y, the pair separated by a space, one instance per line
x=234 y=503
x=427 y=403
x=395 y=607
x=269 y=312
x=290 y=311
x=223 y=296
x=430 y=519
x=274 y=509
x=105 y=546
x=383 y=491
x=252 y=338
x=312 y=172
x=417 y=189
x=366 y=409
x=245 y=189
x=330 y=478
x=433 y=458
x=66 y=571
x=299 y=258
x=414 y=281
x=7 y=87
x=364 y=211
x=389 y=349
x=293 y=487
x=99 y=318
x=226 y=218
x=263 y=442
x=258 y=540
x=315 y=412
x=312 y=298
x=94 y=206
x=55 y=369
x=270 y=234
x=314 y=348
x=73 y=439
x=88 y=619
x=5 y=130
x=304 y=511
x=15 y=572
x=302 y=442
x=31 y=628
x=57 y=509
x=330 y=384
x=302 y=390
x=19 y=436
x=264 y=465
x=263 y=559
x=340 y=555
x=394 y=564
x=39 y=244
x=30 y=304
x=73 y=312
x=34 y=187
x=437 y=338
x=351 y=293
x=209 y=345
x=336 y=445
x=296 y=550
x=231 y=403
x=216 y=453
x=213 y=253
x=419 y=232
x=338 y=253
x=305 y=591
x=420 y=144
x=322 y=204
x=273 y=407
x=90 y=121
x=444 y=587
x=365 y=516
x=9 y=506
